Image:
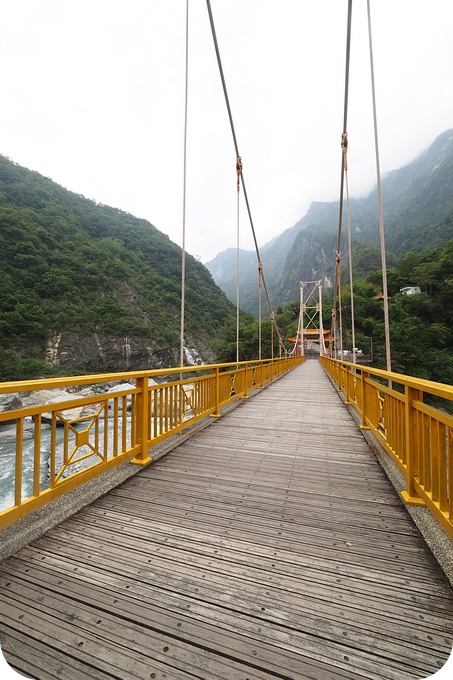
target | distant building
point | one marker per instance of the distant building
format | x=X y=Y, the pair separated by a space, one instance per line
x=410 y=290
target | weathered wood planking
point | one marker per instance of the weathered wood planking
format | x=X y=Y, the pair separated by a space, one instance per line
x=269 y=545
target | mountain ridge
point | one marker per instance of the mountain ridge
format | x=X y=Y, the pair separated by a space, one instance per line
x=90 y=288
x=418 y=215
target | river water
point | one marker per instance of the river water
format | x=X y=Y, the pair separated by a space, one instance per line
x=7 y=467
x=8 y=453
x=8 y=457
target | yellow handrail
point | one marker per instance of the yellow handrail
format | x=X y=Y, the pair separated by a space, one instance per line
x=90 y=434
x=417 y=436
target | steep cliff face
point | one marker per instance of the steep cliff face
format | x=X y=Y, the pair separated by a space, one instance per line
x=105 y=353
x=312 y=258
x=97 y=352
x=418 y=215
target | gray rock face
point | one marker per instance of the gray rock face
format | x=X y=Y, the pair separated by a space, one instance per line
x=103 y=353
x=98 y=353
x=9 y=402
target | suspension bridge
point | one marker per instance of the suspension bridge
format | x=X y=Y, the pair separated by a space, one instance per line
x=267 y=542
x=273 y=518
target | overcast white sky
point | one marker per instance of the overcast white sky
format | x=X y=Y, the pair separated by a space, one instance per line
x=93 y=97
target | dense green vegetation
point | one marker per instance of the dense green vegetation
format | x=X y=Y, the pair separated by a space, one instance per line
x=67 y=263
x=421 y=325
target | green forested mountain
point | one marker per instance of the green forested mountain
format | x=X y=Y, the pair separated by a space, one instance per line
x=86 y=287
x=89 y=288
x=421 y=325
x=421 y=338
x=418 y=216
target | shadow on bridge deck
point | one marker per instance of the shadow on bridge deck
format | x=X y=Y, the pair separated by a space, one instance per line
x=269 y=545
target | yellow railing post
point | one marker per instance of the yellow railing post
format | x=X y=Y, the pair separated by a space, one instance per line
x=216 y=373
x=347 y=384
x=411 y=394
x=271 y=372
x=363 y=425
x=245 y=395
x=142 y=423
x=19 y=462
x=261 y=375
x=336 y=374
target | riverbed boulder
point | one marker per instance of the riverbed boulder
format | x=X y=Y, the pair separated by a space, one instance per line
x=68 y=413
x=9 y=402
x=40 y=397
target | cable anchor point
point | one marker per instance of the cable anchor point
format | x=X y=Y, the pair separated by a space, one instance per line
x=238 y=169
x=260 y=273
x=344 y=146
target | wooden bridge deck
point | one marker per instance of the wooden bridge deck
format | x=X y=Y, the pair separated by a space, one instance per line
x=269 y=545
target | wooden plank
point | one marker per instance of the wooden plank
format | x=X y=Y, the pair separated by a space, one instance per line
x=340 y=591
x=176 y=636
x=270 y=545
x=30 y=656
x=263 y=512
x=239 y=552
x=328 y=618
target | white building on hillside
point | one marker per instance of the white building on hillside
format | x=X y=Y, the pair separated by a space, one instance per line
x=410 y=290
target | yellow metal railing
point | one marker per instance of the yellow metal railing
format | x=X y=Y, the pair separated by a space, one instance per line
x=56 y=447
x=417 y=436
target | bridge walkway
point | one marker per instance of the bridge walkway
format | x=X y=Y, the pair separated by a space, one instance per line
x=269 y=545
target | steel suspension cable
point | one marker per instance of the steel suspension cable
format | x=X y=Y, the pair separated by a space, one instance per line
x=379 y=191
x=351 y=284
x=340 y=306
x=183 y=247
x=260 y=274
x=272 y=335
x=344 y=135
x=238 y=171
x=345 y=118
x=300 y=325
x=233 y=132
